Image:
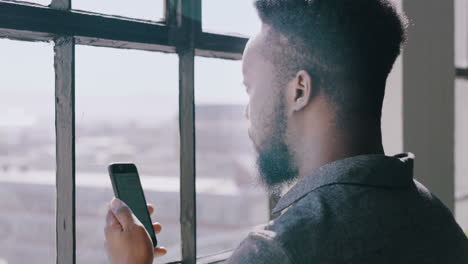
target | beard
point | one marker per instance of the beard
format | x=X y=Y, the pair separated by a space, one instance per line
x=275 y=162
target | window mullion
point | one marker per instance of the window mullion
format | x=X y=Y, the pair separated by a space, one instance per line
x=462 y=73
x=65 y=148
x=61 y=4
x=64 y=64
x=187 y=156
x=187 y=27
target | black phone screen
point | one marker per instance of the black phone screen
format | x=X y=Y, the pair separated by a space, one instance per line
x=127 y=187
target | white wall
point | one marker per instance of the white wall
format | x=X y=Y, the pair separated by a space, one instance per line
x=392 y=112
x=461 y=114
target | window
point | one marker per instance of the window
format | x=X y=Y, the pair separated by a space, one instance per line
x=152 y=63
x=126 y=110
x=41 y=2
x=223 y=16
x=141 y=9
x=27 y=153
x=229 y=203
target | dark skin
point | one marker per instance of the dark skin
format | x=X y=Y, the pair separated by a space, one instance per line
x=126 y=239
x=312 y=136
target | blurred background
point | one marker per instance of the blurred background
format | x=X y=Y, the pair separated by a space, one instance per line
x=127 y=110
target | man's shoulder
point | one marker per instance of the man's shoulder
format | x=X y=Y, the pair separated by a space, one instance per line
x=309 y=211
x=345 y=222
x=282 y=239
x=356 y=220
x=260 y=247
x=345 y=206
x=316 y=208
x=309 y=227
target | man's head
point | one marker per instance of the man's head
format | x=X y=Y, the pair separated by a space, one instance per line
x=332 y=56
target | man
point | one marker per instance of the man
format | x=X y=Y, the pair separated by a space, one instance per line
x=315 y=75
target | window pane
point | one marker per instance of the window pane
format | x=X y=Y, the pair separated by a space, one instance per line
x=126 y=111
x=141 y=9
x=227 y=16
x=461 y=153
x=41 y=2
x=229 y=201
x=27 y=153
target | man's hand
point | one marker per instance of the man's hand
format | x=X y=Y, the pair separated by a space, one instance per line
x=127 y=241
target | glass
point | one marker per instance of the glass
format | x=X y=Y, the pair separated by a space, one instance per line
x=27 y=153
x=126 y=111
x=461 y=152
x=41 y=2
x=229 y=201
x=141 y=9
x=230 y=17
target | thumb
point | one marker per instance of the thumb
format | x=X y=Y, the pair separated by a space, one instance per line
x=122 y=212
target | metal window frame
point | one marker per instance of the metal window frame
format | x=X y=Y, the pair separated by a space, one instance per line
x=179 y=33
x=462 y=73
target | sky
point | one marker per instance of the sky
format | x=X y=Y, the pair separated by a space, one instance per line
x=116 y=84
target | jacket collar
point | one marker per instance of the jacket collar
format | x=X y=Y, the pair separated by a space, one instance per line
x=371 y=170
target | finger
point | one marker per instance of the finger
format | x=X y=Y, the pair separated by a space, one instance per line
x=159 y=252
x=157 y=228
x=109 y=217
x=112 y=224
x=111 y=220
x=150 y=208
x=122 y=213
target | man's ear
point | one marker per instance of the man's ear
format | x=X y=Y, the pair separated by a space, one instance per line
x=302 y=90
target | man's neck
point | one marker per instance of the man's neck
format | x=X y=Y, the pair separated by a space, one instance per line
x=332 y=144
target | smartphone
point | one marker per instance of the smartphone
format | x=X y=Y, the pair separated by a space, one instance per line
x=127 y=187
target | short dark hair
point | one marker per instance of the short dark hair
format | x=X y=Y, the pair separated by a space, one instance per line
x=347 y=46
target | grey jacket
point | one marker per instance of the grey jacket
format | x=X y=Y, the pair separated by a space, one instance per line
x=362 y=209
